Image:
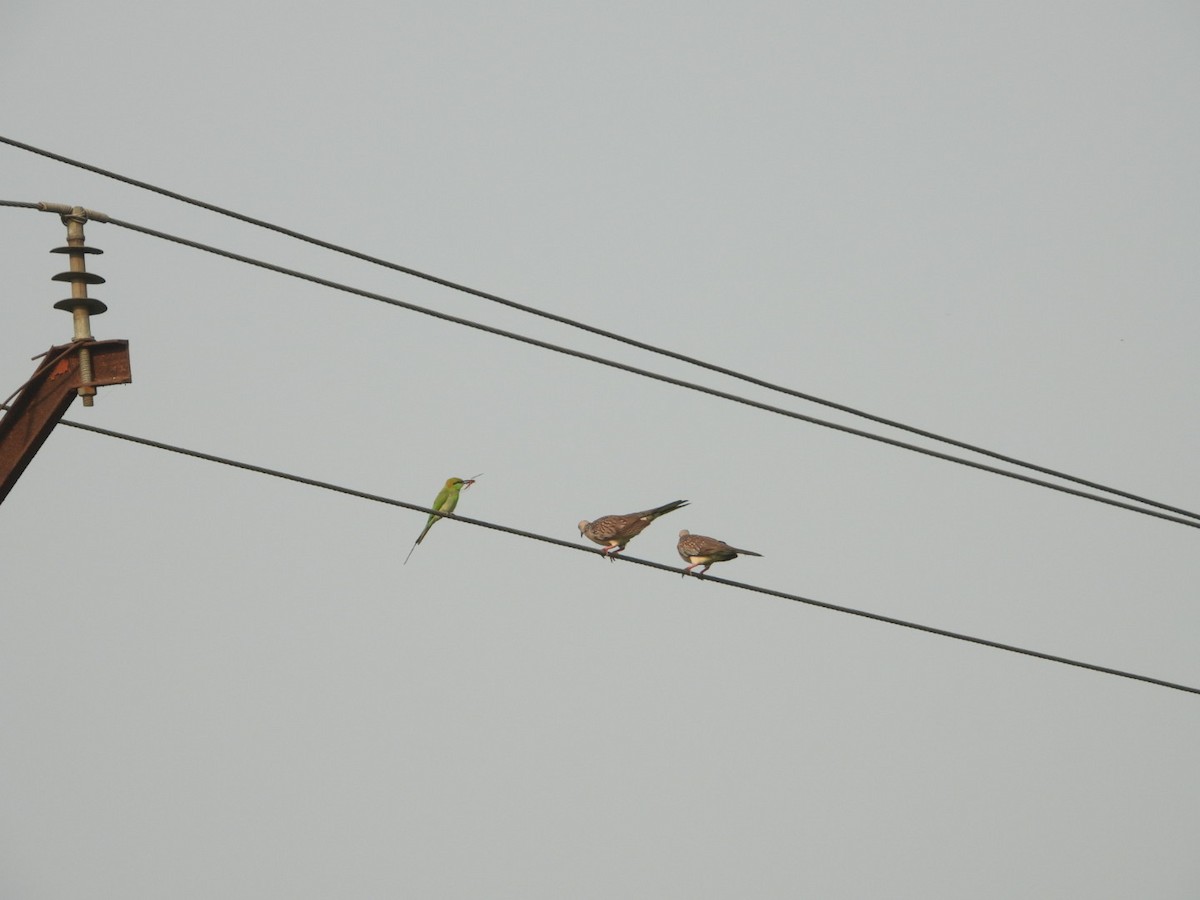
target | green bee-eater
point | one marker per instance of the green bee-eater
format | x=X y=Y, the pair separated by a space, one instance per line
x=446 y=500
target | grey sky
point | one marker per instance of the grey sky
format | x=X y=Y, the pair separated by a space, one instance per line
x=981 y=219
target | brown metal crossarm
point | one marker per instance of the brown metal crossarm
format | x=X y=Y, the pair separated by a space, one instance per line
x=46 y=396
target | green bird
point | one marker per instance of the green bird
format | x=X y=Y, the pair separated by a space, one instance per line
x=447 y=499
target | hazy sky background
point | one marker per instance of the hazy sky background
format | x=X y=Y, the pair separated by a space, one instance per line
x=981 y=219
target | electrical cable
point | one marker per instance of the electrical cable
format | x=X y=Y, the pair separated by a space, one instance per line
x=783 y=595
x=1193 y=522
x=512 y=304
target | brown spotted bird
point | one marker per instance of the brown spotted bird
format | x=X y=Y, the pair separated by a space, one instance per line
x=699 y=550
x=614 y=532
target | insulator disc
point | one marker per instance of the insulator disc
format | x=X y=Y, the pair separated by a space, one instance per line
x=76 y=250
x=91 y=304
x=85 y=277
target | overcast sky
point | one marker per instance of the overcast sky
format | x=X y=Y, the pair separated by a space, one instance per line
x=979 y=219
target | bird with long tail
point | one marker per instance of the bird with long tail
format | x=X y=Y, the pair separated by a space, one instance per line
x=614 y=532
x=445 y=502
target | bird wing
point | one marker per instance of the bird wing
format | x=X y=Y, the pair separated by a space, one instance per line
x=608 y=527
x=447 y=499
x=700 y=545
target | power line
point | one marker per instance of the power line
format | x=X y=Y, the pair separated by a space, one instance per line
x=1193 y=522
x=783 y=595
x=645 y=373
x=591 y=329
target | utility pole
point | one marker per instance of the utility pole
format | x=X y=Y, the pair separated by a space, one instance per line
x=67 y=370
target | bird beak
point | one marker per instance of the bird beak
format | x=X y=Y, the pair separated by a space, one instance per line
x=467 y=482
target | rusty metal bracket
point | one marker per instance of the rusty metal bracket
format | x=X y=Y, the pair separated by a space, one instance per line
x=48 y=394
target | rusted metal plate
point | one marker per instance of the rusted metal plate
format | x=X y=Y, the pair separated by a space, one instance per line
x=110 y=363
x=48 y=394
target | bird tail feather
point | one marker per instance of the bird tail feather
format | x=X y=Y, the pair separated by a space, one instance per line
x=421 y=537
x=666 y=508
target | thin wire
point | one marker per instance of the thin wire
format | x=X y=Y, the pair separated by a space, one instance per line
x=833 y=607
x=666 y=379
x=591 y=329
x=1193 y=522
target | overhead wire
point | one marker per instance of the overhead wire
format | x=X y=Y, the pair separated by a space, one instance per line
x=610 y=335
x=1192 y=522
x=530 y=535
